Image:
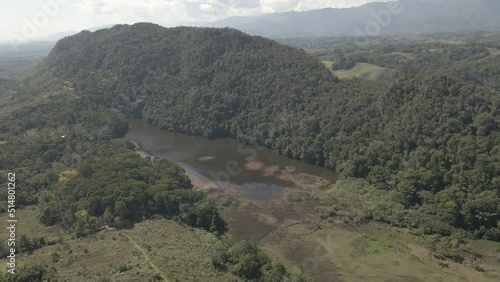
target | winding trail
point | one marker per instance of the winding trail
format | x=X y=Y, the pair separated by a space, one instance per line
x=146 y=256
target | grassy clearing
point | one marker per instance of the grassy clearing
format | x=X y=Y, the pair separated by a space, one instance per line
x=378 y=253
x=182 y=253
x=487 y=245
x=494 y=51
x=329 y=250
x=328 y=64
x=147 y=258
x=363 y=71
x=28 y=224
x=154 y=250
x=378 y=242
x=405 y=55
x=103 y=257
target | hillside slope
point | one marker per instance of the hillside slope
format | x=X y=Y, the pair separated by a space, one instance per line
x=210 y=75
x=61 y=129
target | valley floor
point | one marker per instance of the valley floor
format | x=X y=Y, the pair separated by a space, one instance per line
x=290 y=231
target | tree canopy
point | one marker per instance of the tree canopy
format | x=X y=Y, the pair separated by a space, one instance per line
x=430 y=139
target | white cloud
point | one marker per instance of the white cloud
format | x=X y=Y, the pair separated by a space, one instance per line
x=127 y=11
x=206 y=7
x=305 y=5
x=271 y=6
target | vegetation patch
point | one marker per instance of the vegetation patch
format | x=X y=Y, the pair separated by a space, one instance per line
x=494 y=51
x=378 y=243
x=104 y=256
x=181 y=253
x=363 y=71
x=328 y=64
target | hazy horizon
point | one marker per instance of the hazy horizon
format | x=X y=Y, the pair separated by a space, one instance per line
x=21 y=20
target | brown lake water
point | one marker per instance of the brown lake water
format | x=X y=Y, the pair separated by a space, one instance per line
x=224 y=161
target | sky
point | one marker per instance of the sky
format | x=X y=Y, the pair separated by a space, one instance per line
x=27 y=19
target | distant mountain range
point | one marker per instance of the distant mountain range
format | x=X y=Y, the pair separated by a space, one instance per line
x=397 y=17
x=55 y=36
x=60 y=35
x=402 y=17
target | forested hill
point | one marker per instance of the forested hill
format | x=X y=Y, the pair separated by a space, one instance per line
x=192 y=80
x=62 y=124
x=429 y=143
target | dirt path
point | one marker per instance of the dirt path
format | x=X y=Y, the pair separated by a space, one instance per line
x=146 y=256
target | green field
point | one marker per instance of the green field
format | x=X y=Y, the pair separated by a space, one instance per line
x=154 y=250
x=363 y=71
x=328 y=64
x=494 y=51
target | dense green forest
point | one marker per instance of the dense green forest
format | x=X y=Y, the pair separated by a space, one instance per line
x=428 y=137
x=419 y=148
x=64 y=153
x=63 y=141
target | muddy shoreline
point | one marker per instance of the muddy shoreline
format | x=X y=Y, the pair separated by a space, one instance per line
x=288 y=227
x=279 y=225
